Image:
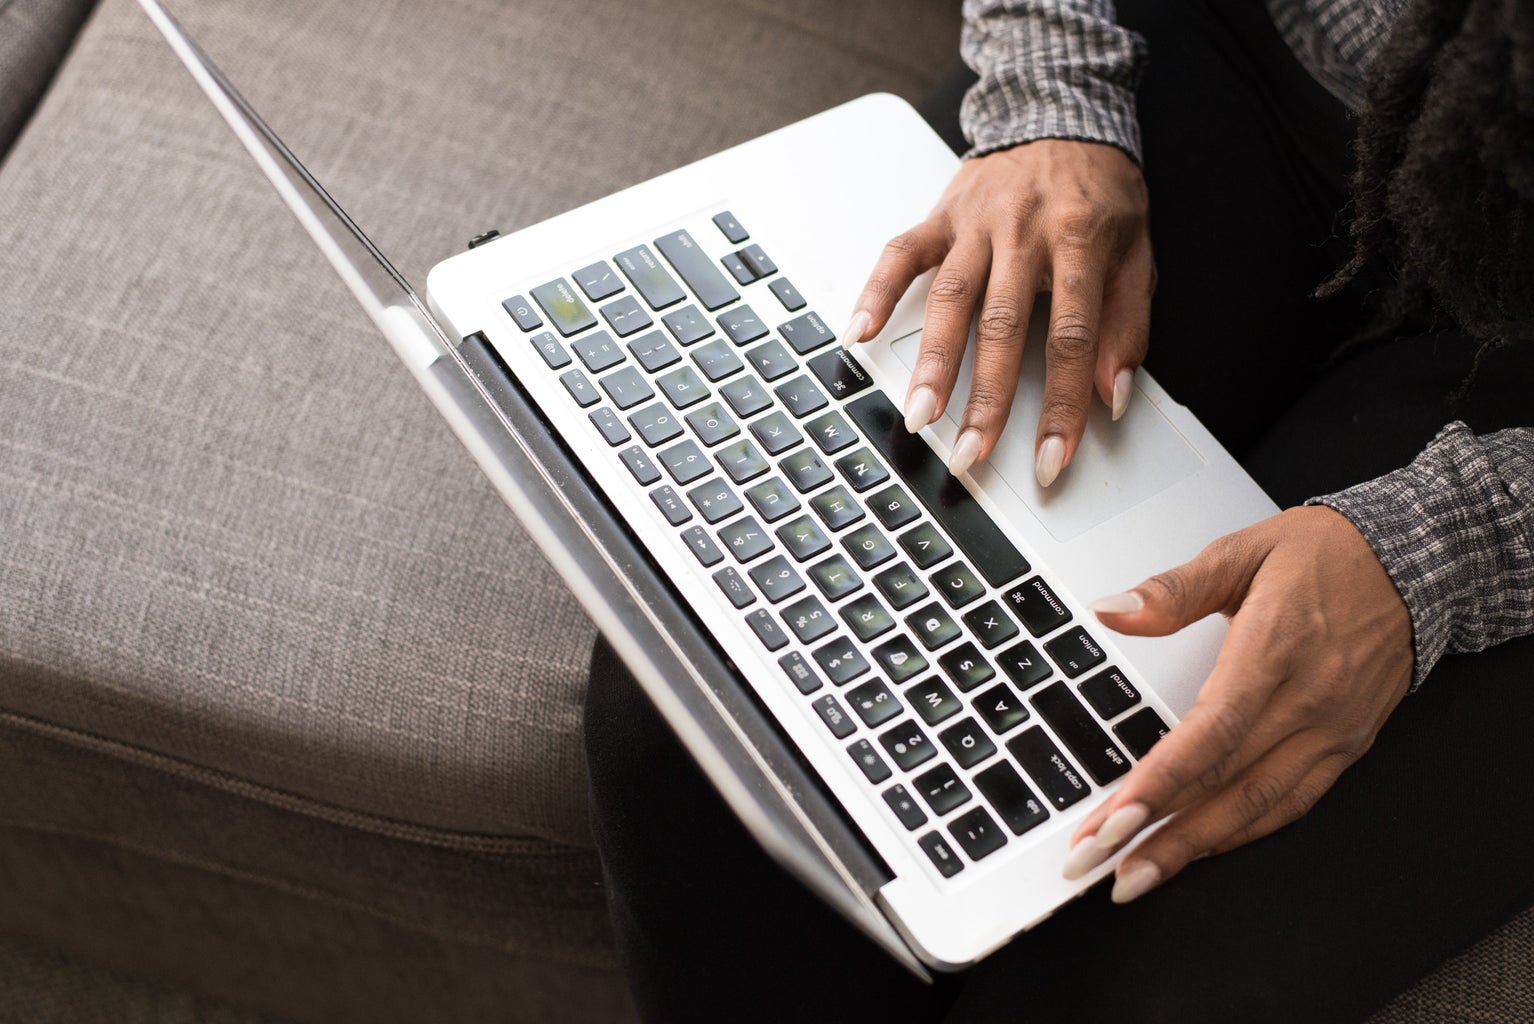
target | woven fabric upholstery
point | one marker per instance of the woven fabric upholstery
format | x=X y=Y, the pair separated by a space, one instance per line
x=34 y=35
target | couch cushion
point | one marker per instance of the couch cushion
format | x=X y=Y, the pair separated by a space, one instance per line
x=231 y=530
x=34 y=35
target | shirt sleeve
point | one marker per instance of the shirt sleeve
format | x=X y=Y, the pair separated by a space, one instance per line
x=1059 y=69
x=1455 y=530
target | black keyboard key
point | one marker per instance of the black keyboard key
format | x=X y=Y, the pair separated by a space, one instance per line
x=957 y=584
x=842 y=375
x=702 y=545
x=1006 y=791
x=772 y=499
x=925 y=545
x=687 y=325
x=894 y=507
x=840 y=661
x=967 y=742
x=835 y=578
x=836 y=508
x=955 y=509
x=684 y=462
x=579 y=387
x=1080 y=733
x=777 y=433
x=1041 y=611
x=654 y=351
x=899 y=659
x=799 y=672
x=656 y=424
x=760 y=263
x=966 y=667
x=1056 y=777
x=523 y=314
x=741 y=461
x=717 y=360
x=1075 y=651
x=900 y=584
x=553 y=353
x=801 y=396
x=803 y=538
x=746 y=395
x=598 y=281
x=873 y=702
x=862 y=470
x=776 y=579
x=868 y=546
x=807 y=333
x=670 y=505
x=714 y=500
x=742 y=325
x=933 y=701
x=730 y=227
x=682 y=387
x=639 y=465
x=712 y=424
x=1109 y=693
x=767 y=629
x=626 y=316
x=831 y=432
x=866 y=617
x=627 y=388
x=837 y=720
x=942 y=855
x=991 y=626
x=932 y=626
x=746 y=539
x=810 y=621
x=698 y=271
x=904 y=805
x=1002 y=709
x=978 y=833
x=651 y=279
x=609 y=425
x=908 y=745
x=1024 y=665
x=787 y=294
x=1141 y=731
x=942 y=789
x=563 y=307
x=805 y=470
x=738 y=268
x=735 y=588
x=867 y=758
x=772 y=360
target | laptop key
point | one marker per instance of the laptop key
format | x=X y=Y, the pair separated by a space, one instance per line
x=840 y=661
x=802 y=538
x=682 y=387
x=941 y=854
x=772 y=499
x=654 y=351
x=746 y=539
x=799 y=671
x=522 y=313
x=553 y=353
x=866 y=617
x=908 y=746
x=957 y=584
x=867 y=758
x=735 y=587
x=894 y=507
x=868 y=546
x=901 y=585
x=1002 y=709
x=627 y=388
x=806 y=333
x=760 y=263
x=787 y=294
x=739 y=270
x=978 y=833
x=836 y=508
x=904 y=805
x=942 y=789
x=899 y=659
x=801 y=396
x=933 y=701
x=810 y=621
x=714 y=500
x=991 y=626
x=609 y=425
x=702 y=545
x=712 y=424
x=932 y=626
x=837 y=720
x=598 y=281
x=967 y=742
x=772 y=360
x=1141 y=731
x=1075 y=652
x=1080 y=733
x=716 y=360
x=805 y=470
x=695 y=268
x=639 y=464
x=730 y=227
x=1109 y=693
x=965 y=666
x=835 y=578
x=746 y=395
x=649 y=278
x=1024 y=665
x=656 y=424
x=873 y=702
x=565 y=310
x=776 y=579
x=670 y=505
x=687 y=325
x=1047 y=767
x=685 y=462
x=1006 y=791
x=862 y=470
x=776 y=433
x=579 y=387
x=925 y=546
x=741 y=461
x=742 y=325
x=841 y=374
x=1036 y=604
x=767 y=629
x=831 y=432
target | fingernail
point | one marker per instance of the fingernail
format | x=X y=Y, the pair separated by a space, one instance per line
x=1123 y=387
x=1085 y=856
x=920 y=408
x=1135 y=882
x=855 y=328
x=1046 y=465
x=1117 y=604
x=965 y=452
x=1122 y=824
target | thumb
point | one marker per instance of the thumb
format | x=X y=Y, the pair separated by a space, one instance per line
x=1214 y=581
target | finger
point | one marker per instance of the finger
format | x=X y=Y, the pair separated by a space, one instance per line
x=1125 y=334
x=1216 y=580
x=945 y=334
x=999 y=338
x=1070 y=359
x=903 y=259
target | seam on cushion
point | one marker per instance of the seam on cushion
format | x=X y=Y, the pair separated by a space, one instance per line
x=440 y=838
x=305 y=892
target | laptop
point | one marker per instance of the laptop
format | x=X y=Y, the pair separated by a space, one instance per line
x=888 y=673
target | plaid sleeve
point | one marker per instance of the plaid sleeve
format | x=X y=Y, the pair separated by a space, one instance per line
x=1059 y=69
x=1455 y=530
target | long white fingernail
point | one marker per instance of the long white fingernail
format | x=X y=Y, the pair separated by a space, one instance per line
x=1085 y=856
x=920 y=408
x=965 y=452
x=855 y=328
x=1122 y=824
x=1123 y=388
x=1047 y=463
x=1117 y=604
x=1136 y=881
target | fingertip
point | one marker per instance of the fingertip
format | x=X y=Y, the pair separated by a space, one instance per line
x=1126 y=603
x=966 y=451
x=920 y=408
x=857 y=328
x=1049 y=460
x=1123 y=390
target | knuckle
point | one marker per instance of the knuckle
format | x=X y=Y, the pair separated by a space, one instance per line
x=1000 y=320
x=1062 y=409
x=1071 y=338
x=1173 y=586
x=903 y=247
x=1226 y=726
x=1082 y=224
x=953 y=288
x=1258 y=795
x=937 y=362
x=987 y=397
x=882 y=285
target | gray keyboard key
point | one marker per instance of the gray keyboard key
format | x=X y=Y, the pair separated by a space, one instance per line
x=772 y=360
x=712 y=424
x=746 y=395
x=835 y=578
x=836 y=508
x=793 y=663
x=837 y=720
x=746 y=539
x=683 y=387
x=738 y=268
x=639 y=464
x=787 y=294
x=731 y=228
x=742 y=325
x=741 y=461
x=868 y=759
x=627 y=388
x=714 y=500
x=806 y=333
x=767 y=629
x=868 y=546
x=776 y=433
x=702 y=545
x=900 y=584
x=656 y=423
x=801 y=396
x=810 y=621
x=564 y=308
x=651 y=279
x=609 y=425
x=579 y=387
x=862 y=470
x=831 y=432
x=803 y=538
x=735 y=587
x=626 y=316
x=654 y=351
x=687 y=325
x=522 y=312
x=697 y=270
x=772 y=499
x=840 y=661
x=598 y=281
x=670 y=504
x=900 y=659
x=685 y=462
x=760 y=263
x=776 y=579
x=866 y=617
x=553 y=353
x=717 y=360
x=598 y=351
x=805 y=470
x=873 y=703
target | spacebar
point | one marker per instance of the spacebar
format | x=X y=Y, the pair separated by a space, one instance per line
x=970 y=526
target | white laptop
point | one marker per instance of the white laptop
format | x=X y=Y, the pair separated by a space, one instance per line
x=888 y=673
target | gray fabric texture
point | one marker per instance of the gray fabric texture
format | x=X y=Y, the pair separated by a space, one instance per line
x=34 y=36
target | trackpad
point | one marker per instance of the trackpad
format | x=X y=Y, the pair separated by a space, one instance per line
x=1117 y=466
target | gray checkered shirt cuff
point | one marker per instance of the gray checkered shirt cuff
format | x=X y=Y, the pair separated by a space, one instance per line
x=1455 y=530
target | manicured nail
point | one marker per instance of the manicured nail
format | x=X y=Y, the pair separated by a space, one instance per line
x=965 y=452
x=855 y=328
x=1134 y=882
x=1046 y=464
x=1123 y=388
x=1085 y=856
x=1122 y=824
x=920 y=408
x=1117 y=604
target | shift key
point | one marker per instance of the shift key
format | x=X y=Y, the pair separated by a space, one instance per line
x=697 y=269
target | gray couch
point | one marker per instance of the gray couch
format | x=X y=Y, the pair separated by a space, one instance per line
x=289 y=706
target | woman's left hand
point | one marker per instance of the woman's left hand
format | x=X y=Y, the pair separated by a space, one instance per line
x=1318 y=655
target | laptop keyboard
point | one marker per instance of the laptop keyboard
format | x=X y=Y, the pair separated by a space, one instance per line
x=970 y=702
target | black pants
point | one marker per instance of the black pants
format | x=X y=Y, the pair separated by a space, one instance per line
x=1418 y=850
